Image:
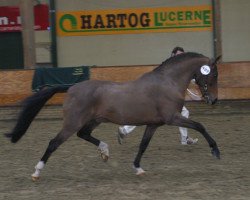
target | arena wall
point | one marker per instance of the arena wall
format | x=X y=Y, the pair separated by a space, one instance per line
x=233 y=82
x=128 y=49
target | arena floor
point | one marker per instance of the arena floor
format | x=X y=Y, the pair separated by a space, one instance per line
x=75 y=171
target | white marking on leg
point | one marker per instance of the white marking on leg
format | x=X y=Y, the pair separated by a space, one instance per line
x=40 y=165
x=139 y=171
x=104 y=150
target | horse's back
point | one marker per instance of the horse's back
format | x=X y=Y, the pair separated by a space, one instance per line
x=86 y=89
x=118 y=102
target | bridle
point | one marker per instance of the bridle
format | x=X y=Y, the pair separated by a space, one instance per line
x=202 y=79
x=205 y=89
x=204 y=85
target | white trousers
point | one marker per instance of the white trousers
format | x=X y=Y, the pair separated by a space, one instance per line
x=125 y=130
x=183 y=131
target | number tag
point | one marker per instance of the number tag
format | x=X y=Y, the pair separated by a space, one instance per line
x=205 y=69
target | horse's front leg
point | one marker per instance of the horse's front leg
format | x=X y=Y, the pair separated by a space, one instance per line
x=181 y=121
x=148 y=134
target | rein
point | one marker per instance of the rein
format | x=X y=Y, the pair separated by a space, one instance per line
x=193 y=94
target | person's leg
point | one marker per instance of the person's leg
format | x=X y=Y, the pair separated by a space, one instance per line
x=123 y=131
x=185 y=139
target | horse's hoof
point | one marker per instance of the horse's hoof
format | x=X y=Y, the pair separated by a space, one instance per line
x=35 y=178
x=104 y=151
x=139 y=171
x=104 y=157
x=216 y=152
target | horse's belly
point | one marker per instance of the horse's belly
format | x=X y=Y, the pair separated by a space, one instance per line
x=128 y=115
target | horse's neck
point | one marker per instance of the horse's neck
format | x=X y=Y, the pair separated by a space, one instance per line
x=179 y=74
x=183 y=72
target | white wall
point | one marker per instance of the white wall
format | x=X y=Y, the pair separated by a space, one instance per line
x=235 y=16
x=127 y=49
x=150 y=48
x=65 y=5
x=43 y=46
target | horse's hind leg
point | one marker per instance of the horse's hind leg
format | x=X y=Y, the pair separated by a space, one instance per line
x=61 y=137
x=181 y=121
x=85 y=133
x=148 y=134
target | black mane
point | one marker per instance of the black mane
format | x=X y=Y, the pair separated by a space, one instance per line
x=178 y=58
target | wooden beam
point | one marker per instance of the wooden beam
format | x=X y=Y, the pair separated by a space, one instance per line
x=217 y=28
x=28 y=34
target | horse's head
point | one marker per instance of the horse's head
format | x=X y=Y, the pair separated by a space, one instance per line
x=206 y=78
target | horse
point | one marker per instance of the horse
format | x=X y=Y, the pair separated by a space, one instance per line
x=154 y=99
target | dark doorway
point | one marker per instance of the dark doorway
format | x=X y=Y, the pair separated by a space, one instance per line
x=11 y=51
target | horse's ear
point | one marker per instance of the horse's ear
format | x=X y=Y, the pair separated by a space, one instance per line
x=217 y=59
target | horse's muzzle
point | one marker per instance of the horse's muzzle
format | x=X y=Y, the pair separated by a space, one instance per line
x=210 y=100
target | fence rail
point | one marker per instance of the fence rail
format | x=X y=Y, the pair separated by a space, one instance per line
x=233 y=81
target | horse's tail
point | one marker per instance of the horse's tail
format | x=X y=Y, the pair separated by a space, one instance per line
x=31 y=107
